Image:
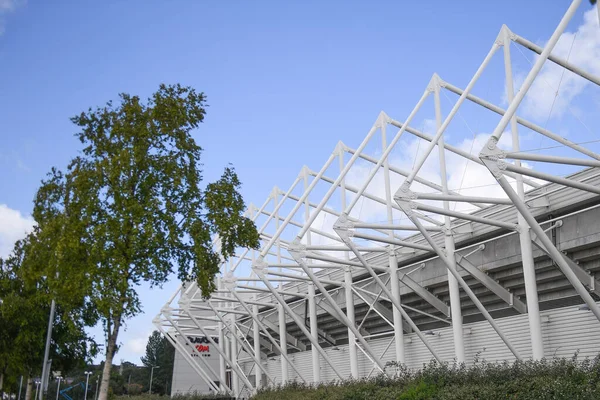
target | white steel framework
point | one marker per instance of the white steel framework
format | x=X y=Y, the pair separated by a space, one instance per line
x=321 y=256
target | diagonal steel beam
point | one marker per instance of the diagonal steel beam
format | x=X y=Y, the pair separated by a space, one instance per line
x=402 y=197
x=491 y=284
x=424 y=293
x=588 y=280
x=324 y=305
x=291 y=340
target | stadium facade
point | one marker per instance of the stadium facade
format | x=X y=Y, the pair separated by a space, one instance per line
x=373 y=259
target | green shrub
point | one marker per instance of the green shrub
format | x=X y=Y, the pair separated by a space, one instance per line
x=524 y=380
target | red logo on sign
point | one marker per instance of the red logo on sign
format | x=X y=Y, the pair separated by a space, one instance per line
x=202 y=348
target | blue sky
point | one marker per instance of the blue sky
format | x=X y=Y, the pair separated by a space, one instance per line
x=285 y=81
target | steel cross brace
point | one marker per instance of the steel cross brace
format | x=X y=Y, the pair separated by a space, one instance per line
x=200 y=371
x=291 y=340
x=298 y=251
x=489 y=156
x=377 y=307
x=245 y=345
x=324 y=305
x=230 y=284
x=234 y=366
x=182 y=350
x=341 y=228
x=373 y=295
x=259 y=269
x=403 y=197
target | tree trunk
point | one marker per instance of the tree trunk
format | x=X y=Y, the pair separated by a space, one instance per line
x=2 y=386
x=29 y=388
x=111 y=347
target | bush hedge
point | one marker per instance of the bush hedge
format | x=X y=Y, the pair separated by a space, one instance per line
x=546 y=379
x=191 y=396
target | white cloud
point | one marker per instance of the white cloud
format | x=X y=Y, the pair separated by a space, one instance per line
x=136 y=346
x=464 y=176
x=6 y=7
x=584 y=48
x=13 y=226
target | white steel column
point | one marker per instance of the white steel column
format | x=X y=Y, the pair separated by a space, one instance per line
x=392 y=261
x=455 y=308
x=352 y=351
x=531 y=294
x=235 y=379
x=222 y=366
x=350 y=314
x=312 y=310
x=283 y=344
x=398 y=332
x=256 y=338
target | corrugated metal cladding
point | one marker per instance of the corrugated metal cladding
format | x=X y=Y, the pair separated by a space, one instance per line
x=565 y=330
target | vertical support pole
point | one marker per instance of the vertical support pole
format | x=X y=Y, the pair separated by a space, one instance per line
x=263 y=327
x=231 y=326
x=283 y=344
x=393 y=262
x=533 y=309
x=350 y=314
x=234 y=354
x=455 y=309
x=352 y=351
x=280 y=311
x=256 y=333
x=275 y=196
x=398 y=332
x=222 y=364
x=307 y=209
x=312 y=310
x=259 y=268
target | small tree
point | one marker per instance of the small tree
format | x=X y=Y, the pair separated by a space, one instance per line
x=130 y=207
x=24 y=316
x=159 y=352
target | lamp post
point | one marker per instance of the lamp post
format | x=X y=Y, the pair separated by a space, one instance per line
x=151 y=375
x=97 y=381
x=20 y=386
x=58 y=378
x=87 y=377
x=37 y=388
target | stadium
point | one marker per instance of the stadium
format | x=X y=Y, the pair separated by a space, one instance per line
x=411 y=247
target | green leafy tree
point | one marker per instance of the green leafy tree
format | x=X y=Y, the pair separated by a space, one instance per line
x=24 y=317
x=130 y=208
x=159 y=352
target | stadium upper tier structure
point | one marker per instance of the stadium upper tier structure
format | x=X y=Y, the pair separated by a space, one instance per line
x=407 y=249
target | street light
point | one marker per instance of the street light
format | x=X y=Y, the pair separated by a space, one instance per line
x=20 y=387
x=58 y=378
x=87 y=377
x=37 y=387
x=97 y=382
x=151 y=375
